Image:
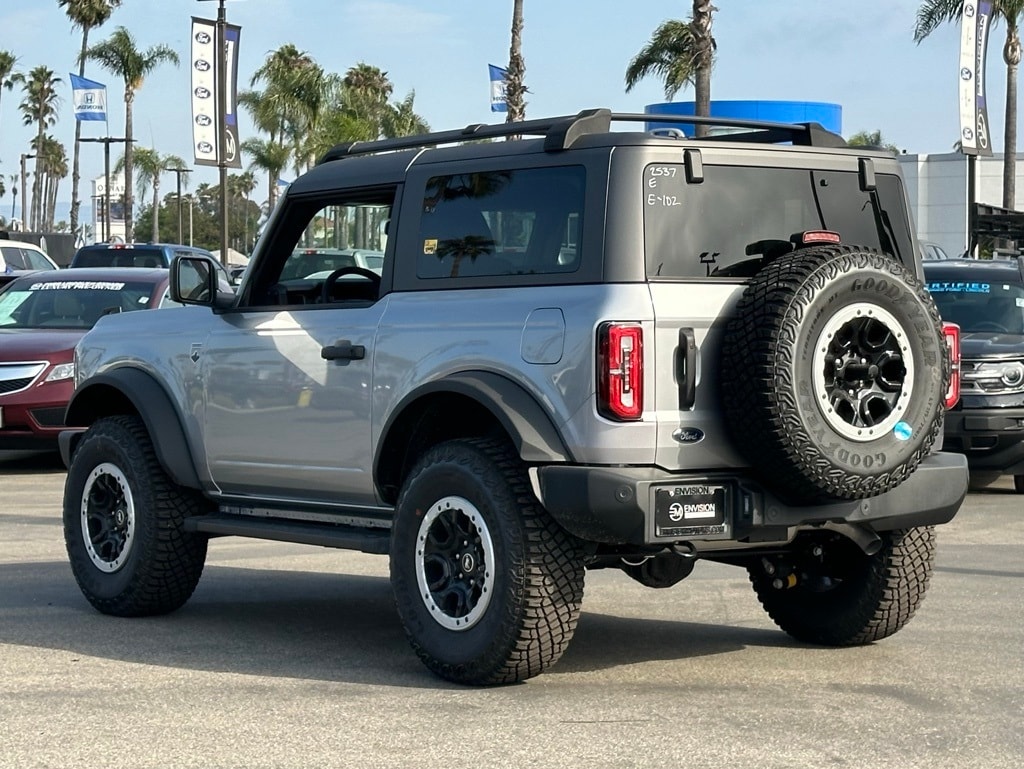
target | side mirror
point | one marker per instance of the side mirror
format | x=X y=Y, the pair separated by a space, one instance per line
x=194 y=280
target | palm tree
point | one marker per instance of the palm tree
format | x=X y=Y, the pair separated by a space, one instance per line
x=15 y=178
x=53 y=167
x=121 y=57
x=681 y=53
x=150 y=166
x=514 y=86
x=932 y=13
x=84 y=14
x=401 y=119
x=272 y=157
x=8 y=77
x=39 y=108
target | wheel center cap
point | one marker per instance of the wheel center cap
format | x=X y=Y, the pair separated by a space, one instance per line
x=120 y=517
x=467 y=562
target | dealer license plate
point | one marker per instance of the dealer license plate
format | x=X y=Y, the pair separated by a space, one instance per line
x=690 y=510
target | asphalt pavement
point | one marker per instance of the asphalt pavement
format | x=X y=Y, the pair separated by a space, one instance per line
x=293 y=656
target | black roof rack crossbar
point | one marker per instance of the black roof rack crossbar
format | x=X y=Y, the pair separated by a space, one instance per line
x=560 y=133
x=568 y=126
x=762 y=131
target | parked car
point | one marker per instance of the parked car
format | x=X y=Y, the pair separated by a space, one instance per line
x=986 y=299
x=17 y=258
x=42 y=317
x=143 y=255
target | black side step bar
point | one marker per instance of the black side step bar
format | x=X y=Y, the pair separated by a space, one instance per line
x=366 y=540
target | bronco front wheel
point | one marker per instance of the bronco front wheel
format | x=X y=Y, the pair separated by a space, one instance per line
x=123 y=523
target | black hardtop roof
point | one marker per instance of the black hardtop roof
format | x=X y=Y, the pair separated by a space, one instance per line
x=974 y=270
x=561 y=133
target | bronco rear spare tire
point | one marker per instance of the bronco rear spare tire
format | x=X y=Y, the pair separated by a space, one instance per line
x=834 y=373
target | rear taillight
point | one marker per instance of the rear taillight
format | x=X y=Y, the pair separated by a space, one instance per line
x=951 y=335
x=620 y=371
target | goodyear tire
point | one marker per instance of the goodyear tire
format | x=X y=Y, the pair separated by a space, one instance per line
x=827 y=591
x=123 y=524
x=834 y=372
x=487 y=585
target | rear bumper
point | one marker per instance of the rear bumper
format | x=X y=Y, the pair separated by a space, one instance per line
x=616 y=505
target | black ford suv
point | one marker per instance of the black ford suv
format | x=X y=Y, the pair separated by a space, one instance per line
x=986 y=299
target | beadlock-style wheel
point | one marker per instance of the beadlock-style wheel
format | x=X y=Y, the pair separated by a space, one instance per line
x=455 y=563
x=108 y=518
x=864 y=371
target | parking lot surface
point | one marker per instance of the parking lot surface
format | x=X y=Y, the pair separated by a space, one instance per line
x=292 y=656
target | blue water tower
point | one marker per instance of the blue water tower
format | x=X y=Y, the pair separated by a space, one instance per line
x=830 y=116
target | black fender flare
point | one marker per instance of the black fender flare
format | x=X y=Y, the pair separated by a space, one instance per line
x=93 y=399
x=533 y=434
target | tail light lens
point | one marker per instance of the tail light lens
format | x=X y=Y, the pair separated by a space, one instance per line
x=620 y=371
x=951 y=334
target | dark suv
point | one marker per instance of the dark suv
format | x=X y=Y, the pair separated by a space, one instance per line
x=586 y=349
x=986 y=299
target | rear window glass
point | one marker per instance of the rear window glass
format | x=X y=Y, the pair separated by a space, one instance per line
x=121 y=257
x=516 y=222
x=979 y=307
x=706 y=229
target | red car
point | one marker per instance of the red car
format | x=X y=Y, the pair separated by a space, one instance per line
x=42 y=317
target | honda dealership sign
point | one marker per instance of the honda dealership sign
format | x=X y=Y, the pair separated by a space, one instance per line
x=974 y=127
x=206 y=79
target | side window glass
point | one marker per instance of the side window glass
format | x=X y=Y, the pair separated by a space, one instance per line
x=15 y=259
x=331 y=251
x=36 y=261
x=515 y=222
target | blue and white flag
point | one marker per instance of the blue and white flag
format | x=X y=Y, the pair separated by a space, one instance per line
x=90 y=98
x=498 y=78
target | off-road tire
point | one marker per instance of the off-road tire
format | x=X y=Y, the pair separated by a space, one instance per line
x=783 y=393
x=869 y=598
x=153 y=565
x=528 y=600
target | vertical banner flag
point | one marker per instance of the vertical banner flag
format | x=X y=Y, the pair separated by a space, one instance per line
x=90 y=98
x=206 y=78
x=233 y=156
x=498 y=78
x=974 y=126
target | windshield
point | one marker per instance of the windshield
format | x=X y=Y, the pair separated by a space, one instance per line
x=69 y=303
x=981 y=307
x=121 y=257
x=712 y=228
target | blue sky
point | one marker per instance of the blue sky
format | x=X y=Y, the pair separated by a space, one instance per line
x=858 y=53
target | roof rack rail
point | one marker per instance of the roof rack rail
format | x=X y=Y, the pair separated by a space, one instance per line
x=560 y=133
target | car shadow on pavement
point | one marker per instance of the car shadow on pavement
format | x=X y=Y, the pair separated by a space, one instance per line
x=30 y=462
x=304 y=625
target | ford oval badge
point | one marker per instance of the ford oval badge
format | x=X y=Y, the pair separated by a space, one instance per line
x=688 y=435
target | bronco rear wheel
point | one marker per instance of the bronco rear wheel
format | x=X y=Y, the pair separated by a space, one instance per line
x=827 y=590
x=834 y=373
x=487 y=585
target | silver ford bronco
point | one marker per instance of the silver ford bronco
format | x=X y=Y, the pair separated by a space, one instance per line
x=585 y=349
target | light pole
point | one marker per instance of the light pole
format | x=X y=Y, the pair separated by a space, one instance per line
x=106 y=141
x=178 y=172
x=24 y=222
x=221 y=52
